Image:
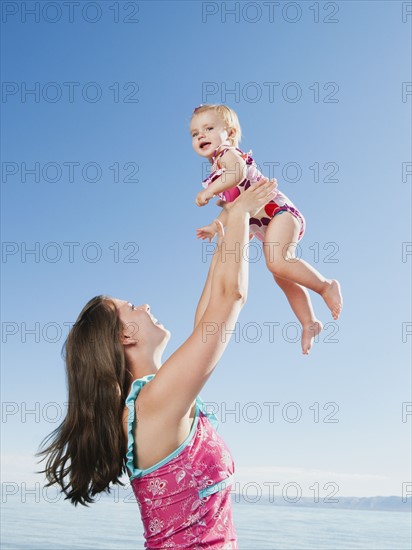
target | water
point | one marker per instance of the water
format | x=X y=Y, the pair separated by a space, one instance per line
x=110 y=523
x=286 y=528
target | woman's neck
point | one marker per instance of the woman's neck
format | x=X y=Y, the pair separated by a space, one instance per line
x=142 y=366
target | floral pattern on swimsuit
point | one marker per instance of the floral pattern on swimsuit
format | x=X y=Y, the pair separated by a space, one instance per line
x=185 y=499
x=281 y=203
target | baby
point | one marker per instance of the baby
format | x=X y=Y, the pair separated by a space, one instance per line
x=216 y=133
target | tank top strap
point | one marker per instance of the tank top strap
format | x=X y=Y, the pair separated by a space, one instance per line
x=218 y=154
x=247 y=156
x=205 y=409
x=137 y=385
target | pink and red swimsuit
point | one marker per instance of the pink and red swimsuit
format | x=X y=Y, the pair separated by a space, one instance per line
x=281 y=203
x=185 y=499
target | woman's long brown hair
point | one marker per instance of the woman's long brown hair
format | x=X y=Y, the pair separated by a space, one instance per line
x=87 y=451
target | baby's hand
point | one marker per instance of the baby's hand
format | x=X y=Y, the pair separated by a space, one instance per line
x=203 y=197
x=208 y=231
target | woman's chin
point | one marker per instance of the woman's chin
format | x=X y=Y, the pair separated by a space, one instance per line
x=167 y=333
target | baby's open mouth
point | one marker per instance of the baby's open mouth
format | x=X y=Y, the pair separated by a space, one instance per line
x=205 y=144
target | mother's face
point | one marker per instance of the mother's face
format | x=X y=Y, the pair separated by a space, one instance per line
x=141 y=327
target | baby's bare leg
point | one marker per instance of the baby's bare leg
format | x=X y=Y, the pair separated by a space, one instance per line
x=280 y=245
x=299 y=300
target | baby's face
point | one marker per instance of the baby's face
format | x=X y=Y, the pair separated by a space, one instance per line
x=208 y=132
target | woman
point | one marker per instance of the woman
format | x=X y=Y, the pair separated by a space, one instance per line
x=129 y=413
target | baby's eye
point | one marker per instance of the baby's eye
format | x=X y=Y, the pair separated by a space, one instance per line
x=210 y=128
x=194 y=134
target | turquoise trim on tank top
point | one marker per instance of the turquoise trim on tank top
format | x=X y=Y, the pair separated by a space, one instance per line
x=219 y=486
x=130 y=402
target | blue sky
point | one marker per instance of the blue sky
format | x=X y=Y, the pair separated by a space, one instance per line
x=324 y=105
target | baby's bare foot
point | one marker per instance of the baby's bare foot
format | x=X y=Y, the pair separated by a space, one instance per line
x=309 y=332
x=333 y=297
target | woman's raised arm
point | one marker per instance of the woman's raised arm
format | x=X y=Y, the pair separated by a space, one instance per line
x=183 y=375
x=205 y=296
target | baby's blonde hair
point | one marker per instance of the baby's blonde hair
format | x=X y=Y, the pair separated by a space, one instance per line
x=228 y=116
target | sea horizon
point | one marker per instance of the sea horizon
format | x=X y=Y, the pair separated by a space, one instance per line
x=110 y=524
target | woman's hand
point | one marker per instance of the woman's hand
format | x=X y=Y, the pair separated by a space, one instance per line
x=255 y=197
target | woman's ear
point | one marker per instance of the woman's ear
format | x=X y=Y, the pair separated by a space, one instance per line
x=128 y=335
x=127 y=340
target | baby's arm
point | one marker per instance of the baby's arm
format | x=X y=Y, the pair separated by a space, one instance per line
x=235 y=172
x=209 y=231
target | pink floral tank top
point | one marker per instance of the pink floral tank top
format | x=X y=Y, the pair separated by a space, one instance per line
x=185 y=499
